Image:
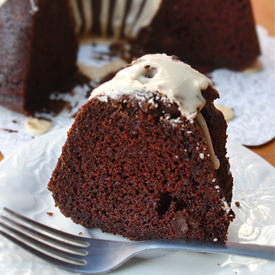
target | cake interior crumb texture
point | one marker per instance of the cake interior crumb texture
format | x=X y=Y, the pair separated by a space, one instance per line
x=133 y=167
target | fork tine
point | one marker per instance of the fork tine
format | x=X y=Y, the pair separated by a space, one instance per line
x=40 y=254
x=30 y=241
x=70 y=237
x=75 y=249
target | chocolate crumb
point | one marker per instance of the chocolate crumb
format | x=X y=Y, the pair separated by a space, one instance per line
x=80 y=233
x=8 y=130
x=50 y=213
x=237 y=203
x=14 y=121
x=146 y=67
x=1 y=156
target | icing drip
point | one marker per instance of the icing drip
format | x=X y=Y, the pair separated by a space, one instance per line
x=168 y=76
x=34 y=8
x=149 y=11
x=37 y=126
x=159 y=72
x=138 y=16
x=132 y=16
x=88 y=15
x=104 y=16
x=203 y=124
x=76 y=14
x=118 y=15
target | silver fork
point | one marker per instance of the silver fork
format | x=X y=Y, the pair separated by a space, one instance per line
x=91 y=256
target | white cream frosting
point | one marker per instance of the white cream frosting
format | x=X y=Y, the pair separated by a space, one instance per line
x=104 y=16
x=34 y=7
x=76 y=14
x=133 y=22
x=227 y=112
x=170 y=77
x=214 y=158
x=148 y=13
x=132 y=16
x=88 y=15
x=118 y=15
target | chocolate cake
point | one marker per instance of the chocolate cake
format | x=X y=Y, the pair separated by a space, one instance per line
x=146 y=156
x=38 y=45
x=38 y=51
x=207 y=34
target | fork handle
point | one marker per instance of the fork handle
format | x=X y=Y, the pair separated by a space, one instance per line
x=241 y=249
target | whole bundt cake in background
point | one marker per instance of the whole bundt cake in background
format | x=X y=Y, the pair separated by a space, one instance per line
x=38 y=45
x=207 y=34
x=146 y=156
x=38 y=51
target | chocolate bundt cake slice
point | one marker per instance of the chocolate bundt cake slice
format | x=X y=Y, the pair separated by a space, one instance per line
x=37 y=53
x=145 y=157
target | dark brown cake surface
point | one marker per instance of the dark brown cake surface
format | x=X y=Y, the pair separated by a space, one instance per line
x=136 y=166
x=38 y=52
x=207 y=34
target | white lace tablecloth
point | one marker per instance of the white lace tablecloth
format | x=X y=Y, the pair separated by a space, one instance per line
x=252 y=96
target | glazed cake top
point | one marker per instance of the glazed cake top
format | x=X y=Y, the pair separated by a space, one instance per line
x=139 y=16
x=159 y=73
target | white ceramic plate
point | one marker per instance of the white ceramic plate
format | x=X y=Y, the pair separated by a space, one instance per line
x=23 y=185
